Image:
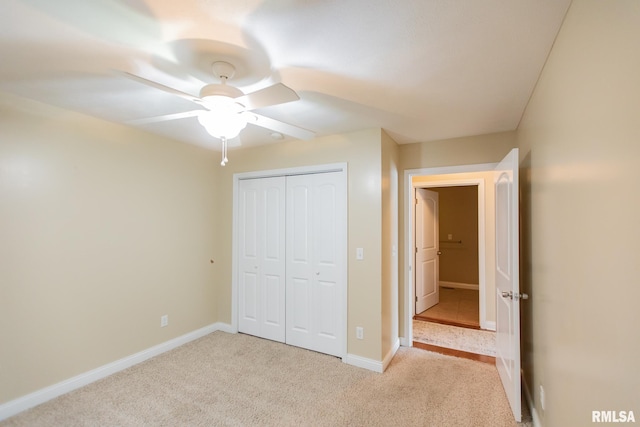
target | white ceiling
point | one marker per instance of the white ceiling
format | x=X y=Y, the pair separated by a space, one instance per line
x=420 y=69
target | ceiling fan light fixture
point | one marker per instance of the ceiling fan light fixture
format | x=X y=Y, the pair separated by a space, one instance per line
x=222 y=123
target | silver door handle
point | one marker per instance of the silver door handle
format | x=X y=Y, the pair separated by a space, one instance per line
x=515 y=296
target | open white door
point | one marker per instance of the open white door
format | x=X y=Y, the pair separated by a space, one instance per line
x=427 y=268
x=507 y=280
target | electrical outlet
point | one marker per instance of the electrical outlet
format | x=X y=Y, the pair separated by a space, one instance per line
x=360 y=332
x=164 y=320
x=360 y=253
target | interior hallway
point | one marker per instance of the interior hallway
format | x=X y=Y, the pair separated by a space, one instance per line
x=458 y=307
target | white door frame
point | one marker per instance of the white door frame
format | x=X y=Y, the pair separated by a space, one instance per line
x=409 y=227
x=303 y=170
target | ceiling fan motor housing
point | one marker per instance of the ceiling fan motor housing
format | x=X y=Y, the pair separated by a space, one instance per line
x=217 y=89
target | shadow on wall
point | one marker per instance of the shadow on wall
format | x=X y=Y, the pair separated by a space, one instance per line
x=526 y=307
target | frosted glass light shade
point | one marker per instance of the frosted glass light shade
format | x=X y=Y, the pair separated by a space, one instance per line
x=224 y=118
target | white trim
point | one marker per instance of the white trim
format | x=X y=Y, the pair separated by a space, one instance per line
x=406 y=342
x=409 y=196
x=363 y=362
x=458 y=285
x=389 y=357
x=38 y=397
x=370 y=364
x=302 y=170
x=224 y=327
x=529 y=401
x=489 y=325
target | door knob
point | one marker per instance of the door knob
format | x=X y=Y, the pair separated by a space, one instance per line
x=515 y=296
x=439 y=253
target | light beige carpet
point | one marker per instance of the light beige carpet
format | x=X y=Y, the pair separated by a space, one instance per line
x=238 y=380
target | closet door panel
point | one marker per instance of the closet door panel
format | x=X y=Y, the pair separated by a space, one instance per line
x=328 y=258
x=273 y=261
x=315 y=240
x=298 y=300
x=248 y=316
x=261 y=291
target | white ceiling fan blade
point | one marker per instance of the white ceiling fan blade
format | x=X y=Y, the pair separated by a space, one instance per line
x=165 y=117
x=162 y=87
x=285 y=128
x=272 y=95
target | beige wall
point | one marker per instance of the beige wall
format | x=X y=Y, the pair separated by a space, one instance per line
x=469 y=150
x=389 y=297
x=103 y=230
x=580 y=144
x=453 y=152
x=362 y=151
x=458 y=216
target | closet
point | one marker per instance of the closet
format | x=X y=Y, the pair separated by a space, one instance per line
x=291 y=258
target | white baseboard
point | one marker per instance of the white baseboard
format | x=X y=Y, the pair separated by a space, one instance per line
x=459 y=285
x=392 y=352
x=225 y=327
x=489 y=325
x=529 y=401
x=30 y=400
x=363 y=362
x=406 y=342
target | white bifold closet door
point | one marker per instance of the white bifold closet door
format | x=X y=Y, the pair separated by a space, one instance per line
x=292 y=255
x=261 y=282
x=316 y=217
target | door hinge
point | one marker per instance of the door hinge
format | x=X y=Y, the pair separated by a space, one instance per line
x=416 y=249
x=416 y=298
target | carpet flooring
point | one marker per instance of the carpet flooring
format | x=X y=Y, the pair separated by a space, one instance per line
x=238 y=380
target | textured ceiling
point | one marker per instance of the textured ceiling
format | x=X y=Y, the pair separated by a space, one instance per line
x=420 y=69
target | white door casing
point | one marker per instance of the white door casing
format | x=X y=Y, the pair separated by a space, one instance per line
x=507 y=280
x=427 y=249
x=261 y=261
x=316 y=232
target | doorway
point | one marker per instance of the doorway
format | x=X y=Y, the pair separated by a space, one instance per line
x=479 y=176
x=458 y=301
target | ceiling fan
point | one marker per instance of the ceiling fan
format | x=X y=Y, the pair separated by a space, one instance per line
x=227 y=110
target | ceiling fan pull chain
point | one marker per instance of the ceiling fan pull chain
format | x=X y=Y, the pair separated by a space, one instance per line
x=224 y=151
